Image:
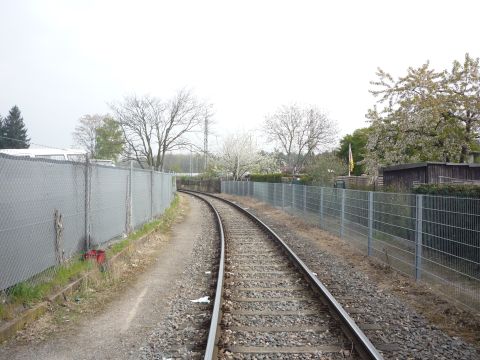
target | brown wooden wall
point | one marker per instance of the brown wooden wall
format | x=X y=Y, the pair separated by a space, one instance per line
x=401 y=179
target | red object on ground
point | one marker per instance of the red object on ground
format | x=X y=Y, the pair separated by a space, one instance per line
x=98 y=255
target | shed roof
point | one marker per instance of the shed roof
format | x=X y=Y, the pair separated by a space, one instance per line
x=424 y=164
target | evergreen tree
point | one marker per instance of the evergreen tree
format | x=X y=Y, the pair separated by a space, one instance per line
x=358 y=140
x=14 y=131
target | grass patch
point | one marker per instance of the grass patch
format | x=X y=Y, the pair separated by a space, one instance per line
x=28 y=292
x=24 y=292
x=34 y=289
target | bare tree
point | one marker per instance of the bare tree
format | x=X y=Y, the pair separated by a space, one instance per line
x=299 y=132
x=85 y=133
x=152 y=127
x=240 y=155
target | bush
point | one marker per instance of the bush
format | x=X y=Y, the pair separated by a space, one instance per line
x=306 y=180
x=472 y=191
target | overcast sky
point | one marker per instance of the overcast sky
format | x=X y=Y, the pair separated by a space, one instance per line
x=62 y=59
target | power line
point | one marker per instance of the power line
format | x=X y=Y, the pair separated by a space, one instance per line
x=31 y=143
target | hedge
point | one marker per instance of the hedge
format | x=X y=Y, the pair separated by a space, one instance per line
x=271 y=178
x=471 y=191
x=278 y=178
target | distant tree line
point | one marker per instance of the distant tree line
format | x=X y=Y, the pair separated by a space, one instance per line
x=300 y=135
x=426 y=115
x=143 y=129
x=13 y=133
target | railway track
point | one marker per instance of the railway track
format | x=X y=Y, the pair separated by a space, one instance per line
x=268 y=304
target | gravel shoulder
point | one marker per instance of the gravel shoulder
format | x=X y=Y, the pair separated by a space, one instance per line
x=416 y=322
x=118 y=327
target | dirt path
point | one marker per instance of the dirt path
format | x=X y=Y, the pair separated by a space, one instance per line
x=120 y=329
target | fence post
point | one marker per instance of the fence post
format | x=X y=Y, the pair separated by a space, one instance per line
x=342 y=214
x=293 y=197
x=130 y=196
x=304 y=199
x=418 y=237
x=283 y=196
x=370 y=223
x=166 y=195
x=151 y=194
x=321 y=208
x=274 y=193
x=272 y=200
x=87 y=202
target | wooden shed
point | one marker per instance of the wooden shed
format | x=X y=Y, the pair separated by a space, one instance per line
x=405 y=176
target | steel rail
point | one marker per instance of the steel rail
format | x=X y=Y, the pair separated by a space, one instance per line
x=362 y=344
x=211 y=350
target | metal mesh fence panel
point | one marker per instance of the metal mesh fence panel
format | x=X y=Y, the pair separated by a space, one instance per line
x=52 y=210
x=331 y=209
x=108 y=203
x=158 y=202
x=450 y=244
x=141 y=193
x=32 y=191
x=431 y=238
x=394 y=228
x=355 y=220
x=168 y=189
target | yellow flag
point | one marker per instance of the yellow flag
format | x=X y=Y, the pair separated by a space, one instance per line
x=350 y=159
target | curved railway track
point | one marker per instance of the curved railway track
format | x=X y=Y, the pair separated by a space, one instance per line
x=268 y=304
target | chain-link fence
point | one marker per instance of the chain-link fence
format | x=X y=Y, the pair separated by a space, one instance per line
x=51 y=210
x=435 y=239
